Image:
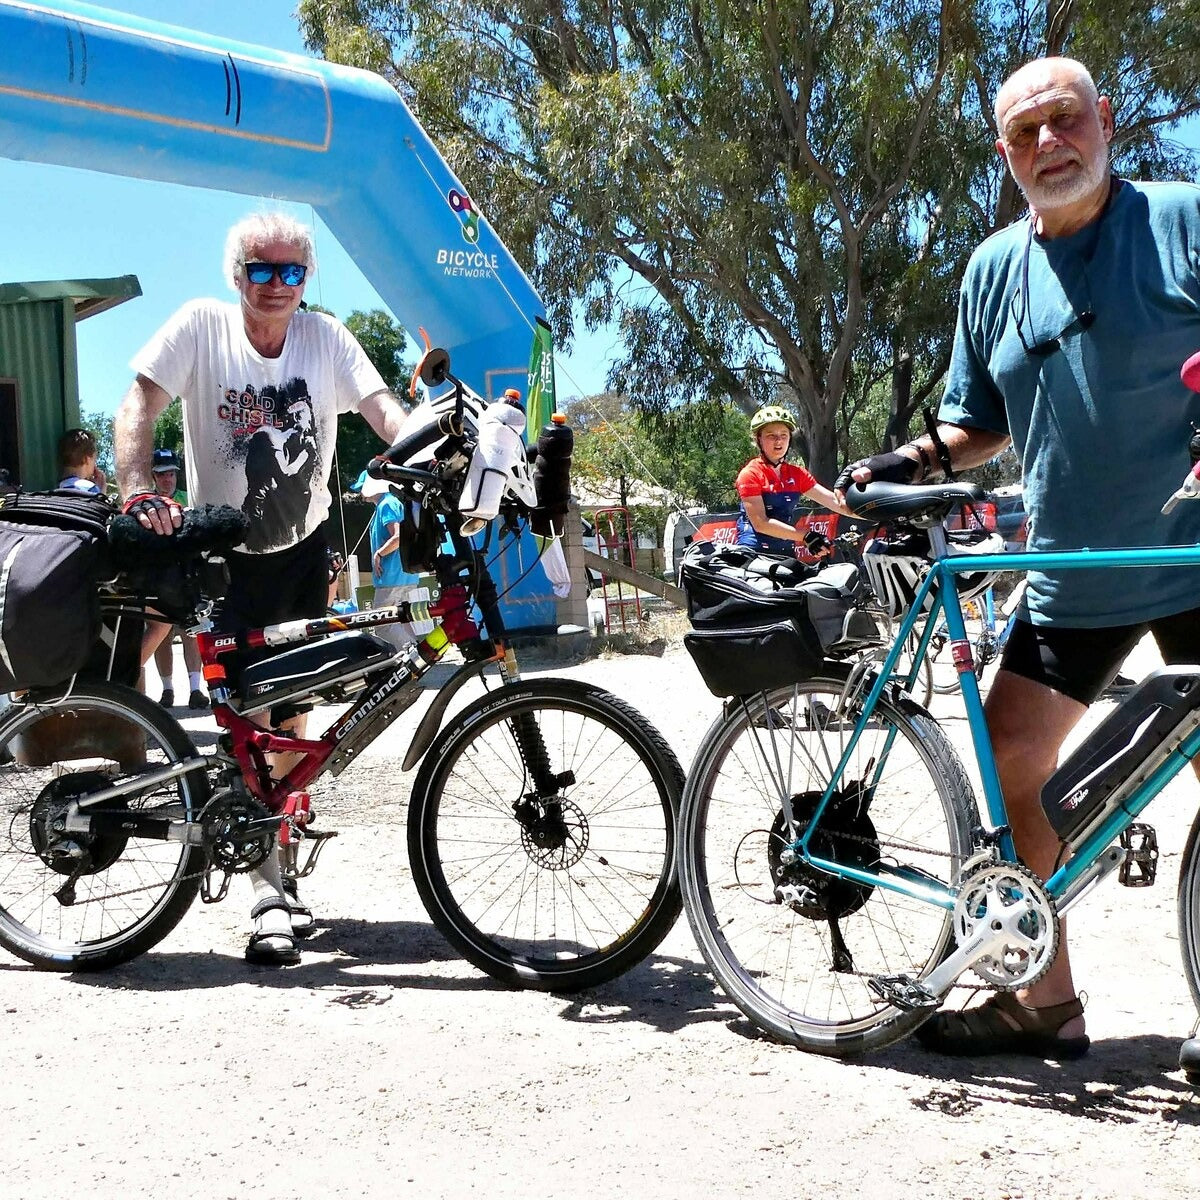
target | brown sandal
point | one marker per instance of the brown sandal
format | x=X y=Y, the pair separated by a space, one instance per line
x=1003 y=1025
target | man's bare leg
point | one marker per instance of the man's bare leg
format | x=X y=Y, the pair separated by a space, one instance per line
x=1028 y=723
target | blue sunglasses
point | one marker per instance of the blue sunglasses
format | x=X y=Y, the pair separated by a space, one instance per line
x=290 y=274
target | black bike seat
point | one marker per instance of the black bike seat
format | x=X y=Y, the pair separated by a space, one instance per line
x=921 y=504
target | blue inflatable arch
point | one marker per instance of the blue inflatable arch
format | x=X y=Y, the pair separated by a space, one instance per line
x=85 y=87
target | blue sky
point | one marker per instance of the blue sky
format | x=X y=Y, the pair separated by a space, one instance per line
x=61 y=223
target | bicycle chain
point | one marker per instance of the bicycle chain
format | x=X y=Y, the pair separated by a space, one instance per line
x=133 y=891
x=880 y=842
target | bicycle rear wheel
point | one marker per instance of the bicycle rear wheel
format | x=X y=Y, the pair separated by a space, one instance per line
x=541 y=835
x=85 y=898
x=793 y=947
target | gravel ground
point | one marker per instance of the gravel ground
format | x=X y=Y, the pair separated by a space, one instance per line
x=384 y=1065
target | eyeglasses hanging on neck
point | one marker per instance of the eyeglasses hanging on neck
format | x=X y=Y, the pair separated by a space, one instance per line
x=1085 y=317
x=1037 y=347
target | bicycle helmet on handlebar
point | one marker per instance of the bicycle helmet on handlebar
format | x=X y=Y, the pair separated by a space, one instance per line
x=896 y=565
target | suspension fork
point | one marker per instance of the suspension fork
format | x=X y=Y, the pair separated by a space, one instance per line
x=526 y=732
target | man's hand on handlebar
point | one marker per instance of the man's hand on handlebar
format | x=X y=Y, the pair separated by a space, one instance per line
x=892 y=467
x=160 y=514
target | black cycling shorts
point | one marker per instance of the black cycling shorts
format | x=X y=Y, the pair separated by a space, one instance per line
x=265 y=589
x=1081 y=663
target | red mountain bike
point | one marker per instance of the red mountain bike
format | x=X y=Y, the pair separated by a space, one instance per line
x=541 y=828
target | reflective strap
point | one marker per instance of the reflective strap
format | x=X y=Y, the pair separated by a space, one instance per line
x=5 y=572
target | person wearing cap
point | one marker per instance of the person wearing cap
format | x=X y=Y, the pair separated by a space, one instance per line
x=770 y=488
x=164 y=466
x=262 y=383
x=165 y=469
x=393 y=584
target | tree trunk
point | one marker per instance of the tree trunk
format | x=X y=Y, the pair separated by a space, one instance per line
x=823 y=448
x=900 y=406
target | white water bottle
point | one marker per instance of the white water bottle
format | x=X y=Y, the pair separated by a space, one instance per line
x=498 y=449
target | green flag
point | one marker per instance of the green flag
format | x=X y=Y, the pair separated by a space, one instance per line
x=539 y=396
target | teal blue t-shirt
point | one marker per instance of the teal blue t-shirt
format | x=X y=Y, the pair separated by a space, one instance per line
x=1101 y=425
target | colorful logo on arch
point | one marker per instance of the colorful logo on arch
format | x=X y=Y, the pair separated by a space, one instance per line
x=468 y=214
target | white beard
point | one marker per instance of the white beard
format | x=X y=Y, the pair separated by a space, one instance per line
x=1052 y=194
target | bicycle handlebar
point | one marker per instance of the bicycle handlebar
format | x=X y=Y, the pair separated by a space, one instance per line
x=380 y=468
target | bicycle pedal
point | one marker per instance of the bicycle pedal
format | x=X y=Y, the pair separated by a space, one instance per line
x=207 y=895
x=904 y=992
x=319 y=839
x=1140 y=866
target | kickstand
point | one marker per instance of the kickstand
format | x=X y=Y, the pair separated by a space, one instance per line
x=843 y=960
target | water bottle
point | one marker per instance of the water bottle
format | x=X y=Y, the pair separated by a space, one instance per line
x=552 y=476
x=498 y=447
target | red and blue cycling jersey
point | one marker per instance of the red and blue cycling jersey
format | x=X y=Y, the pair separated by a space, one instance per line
x=781 y=489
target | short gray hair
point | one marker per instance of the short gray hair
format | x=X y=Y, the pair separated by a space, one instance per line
x=1072 y=65
x=266 y=227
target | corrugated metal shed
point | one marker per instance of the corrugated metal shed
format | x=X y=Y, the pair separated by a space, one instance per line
x=39 y=382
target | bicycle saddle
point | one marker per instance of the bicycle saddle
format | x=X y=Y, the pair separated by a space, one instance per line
x=919 y=504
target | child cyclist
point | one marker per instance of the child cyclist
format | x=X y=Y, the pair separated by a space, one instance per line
x=769 y=489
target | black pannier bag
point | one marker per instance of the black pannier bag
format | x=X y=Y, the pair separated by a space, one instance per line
x=49 y=608
x=762 y=621
x=53 y=555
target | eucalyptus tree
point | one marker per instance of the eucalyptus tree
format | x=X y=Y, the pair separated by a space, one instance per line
x=760 y=194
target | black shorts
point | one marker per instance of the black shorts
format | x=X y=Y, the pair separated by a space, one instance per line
x=1081 y=663
x=265 y=589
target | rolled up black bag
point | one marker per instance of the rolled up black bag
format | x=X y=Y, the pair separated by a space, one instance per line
x=761 y=621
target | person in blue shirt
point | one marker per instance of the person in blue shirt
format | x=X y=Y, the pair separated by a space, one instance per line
x=393 y=584
x=1072 y=327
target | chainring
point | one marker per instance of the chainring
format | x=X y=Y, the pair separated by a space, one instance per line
x=845 y=834
x=100 y=850
x=235 y=841
x=1000 y=894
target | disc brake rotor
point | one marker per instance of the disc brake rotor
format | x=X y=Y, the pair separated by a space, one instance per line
x=554 y=833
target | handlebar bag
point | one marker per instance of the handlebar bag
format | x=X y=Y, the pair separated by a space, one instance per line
x=762 y=621
x=49 y=606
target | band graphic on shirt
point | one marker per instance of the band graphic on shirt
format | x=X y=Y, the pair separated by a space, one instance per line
x=273 y=431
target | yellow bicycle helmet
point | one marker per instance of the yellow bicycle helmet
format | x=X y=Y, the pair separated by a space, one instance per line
x=772 y=414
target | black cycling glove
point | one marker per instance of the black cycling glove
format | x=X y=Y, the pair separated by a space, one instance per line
x=885 y=468
x=146 y=502
x=816 y=542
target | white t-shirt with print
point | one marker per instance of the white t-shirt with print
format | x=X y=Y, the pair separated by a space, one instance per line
x=259 y=433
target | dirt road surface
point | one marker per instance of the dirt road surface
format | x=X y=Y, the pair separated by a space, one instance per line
x=383 y=1065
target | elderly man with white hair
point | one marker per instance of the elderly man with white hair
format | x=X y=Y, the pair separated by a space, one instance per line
x=262 y=384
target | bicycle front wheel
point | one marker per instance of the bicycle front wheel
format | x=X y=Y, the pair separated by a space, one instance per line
x=795 y=948
x=541 y=834
x=84 y=891
x=1188 y=908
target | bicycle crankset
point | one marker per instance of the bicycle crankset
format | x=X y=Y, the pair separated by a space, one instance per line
x=238 y=832
x=74 y=854
x=845 y=835
x=1008 y=903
